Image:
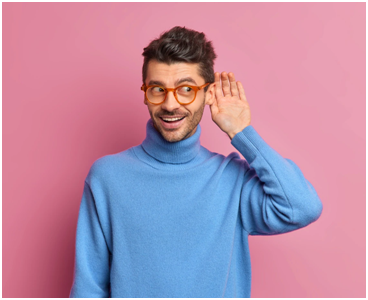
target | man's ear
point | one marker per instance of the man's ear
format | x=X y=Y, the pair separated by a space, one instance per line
x=210 y=94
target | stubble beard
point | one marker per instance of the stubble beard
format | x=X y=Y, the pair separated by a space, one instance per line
x=177 y=135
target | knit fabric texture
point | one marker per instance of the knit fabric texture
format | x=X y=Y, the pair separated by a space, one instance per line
x=172 y=220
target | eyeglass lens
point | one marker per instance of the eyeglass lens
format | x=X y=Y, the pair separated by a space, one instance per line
x=156 y=94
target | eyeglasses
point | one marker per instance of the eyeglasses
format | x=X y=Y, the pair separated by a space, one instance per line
x=184 y=94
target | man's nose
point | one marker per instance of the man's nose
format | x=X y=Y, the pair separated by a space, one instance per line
x=170 y=102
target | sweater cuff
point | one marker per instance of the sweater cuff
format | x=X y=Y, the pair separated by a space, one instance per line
x=248 y=142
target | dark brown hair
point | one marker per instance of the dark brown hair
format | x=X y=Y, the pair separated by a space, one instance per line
x=180 y=44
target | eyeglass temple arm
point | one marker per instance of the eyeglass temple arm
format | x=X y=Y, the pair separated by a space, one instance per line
x=202 y=86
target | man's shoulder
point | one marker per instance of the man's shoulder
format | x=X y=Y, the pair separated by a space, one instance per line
x=109 y=164
x=232 y=158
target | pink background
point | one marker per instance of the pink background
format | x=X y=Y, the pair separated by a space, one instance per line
x=71 y=94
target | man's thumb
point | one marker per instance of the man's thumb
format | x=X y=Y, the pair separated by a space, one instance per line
x=214 y=107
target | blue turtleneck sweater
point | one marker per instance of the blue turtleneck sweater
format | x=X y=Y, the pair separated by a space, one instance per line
x=172 y=219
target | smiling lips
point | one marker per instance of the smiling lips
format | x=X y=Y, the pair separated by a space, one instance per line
x=171 y=121
x=172 y=118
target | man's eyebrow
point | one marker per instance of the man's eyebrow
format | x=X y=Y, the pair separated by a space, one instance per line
x=186 y=79
x=179 y=81
x=155 y=82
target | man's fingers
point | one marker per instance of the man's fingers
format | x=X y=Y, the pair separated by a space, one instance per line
x=218 y=92
x=225 y=84
x=217 y=77
x=230 y=87
x=233 y=86
x=214 y=107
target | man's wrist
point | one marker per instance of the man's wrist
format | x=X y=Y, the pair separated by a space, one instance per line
x=233 y=133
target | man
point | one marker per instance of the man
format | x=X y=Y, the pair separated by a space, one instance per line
x=169 y=218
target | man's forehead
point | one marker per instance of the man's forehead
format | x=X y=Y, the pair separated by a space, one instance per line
x=175 y=73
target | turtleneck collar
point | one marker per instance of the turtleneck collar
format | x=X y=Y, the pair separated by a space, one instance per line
x=173 y=153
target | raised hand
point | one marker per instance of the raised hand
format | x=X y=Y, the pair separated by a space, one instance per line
x=230 y=109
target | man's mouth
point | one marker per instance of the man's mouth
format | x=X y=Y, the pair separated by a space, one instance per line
x=172 y=119
x=172 y=122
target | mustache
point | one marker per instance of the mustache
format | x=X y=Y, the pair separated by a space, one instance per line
x=170 y=114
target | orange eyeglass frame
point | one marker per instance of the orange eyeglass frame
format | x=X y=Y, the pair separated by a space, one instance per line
x=167 y=90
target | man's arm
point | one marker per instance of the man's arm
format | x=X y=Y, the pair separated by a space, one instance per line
x=92 y=256
x=276 y=197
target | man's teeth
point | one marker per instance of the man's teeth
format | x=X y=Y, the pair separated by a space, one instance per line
x=172 y=119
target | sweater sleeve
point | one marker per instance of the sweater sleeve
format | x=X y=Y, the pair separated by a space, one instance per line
x=92 y=256
x=275 y=197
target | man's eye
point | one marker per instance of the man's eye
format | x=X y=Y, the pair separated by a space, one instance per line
x=157 y=89
x=185 y=89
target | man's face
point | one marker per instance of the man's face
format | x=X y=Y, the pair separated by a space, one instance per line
x=169 y=76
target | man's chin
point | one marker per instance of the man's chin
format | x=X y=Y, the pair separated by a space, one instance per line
x=171 y=136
